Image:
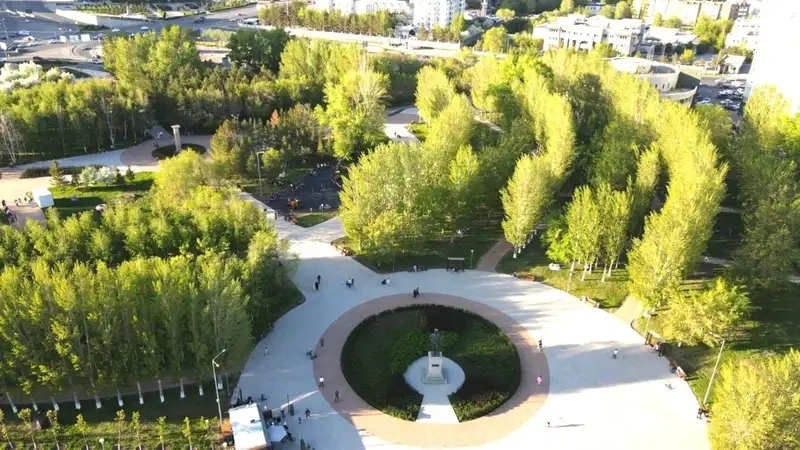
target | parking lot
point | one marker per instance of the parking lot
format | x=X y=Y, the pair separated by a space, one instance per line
x=725 y=92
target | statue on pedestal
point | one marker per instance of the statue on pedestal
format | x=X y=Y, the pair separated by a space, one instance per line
x=436 y=341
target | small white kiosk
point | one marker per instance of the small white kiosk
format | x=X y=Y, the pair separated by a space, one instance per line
x=43 y=197
x=248 y=428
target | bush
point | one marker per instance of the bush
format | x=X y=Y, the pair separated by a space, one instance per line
x=168 y=151
x=38 y=172
x=92 y=175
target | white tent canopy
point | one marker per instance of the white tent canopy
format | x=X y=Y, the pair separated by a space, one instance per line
x=43 y=197
x=248 y=430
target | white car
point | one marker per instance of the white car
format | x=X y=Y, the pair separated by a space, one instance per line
x=144 y=28
x=115 y=30
x=23 y=33
x=27 y=20
x=53 y=41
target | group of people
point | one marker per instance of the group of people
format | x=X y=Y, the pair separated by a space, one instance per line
x=10 y=214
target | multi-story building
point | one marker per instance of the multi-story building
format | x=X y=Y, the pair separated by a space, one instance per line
x=363 y=6
x=663 y=77
x=582 y=33
x=690 y=10
x=774 y=63
x=431 y=13
x=744 y=33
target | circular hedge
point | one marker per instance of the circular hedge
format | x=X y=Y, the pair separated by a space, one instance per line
x=380 y=349
x=168 y=151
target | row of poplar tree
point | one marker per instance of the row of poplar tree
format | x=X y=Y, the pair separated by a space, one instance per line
x=153 y=290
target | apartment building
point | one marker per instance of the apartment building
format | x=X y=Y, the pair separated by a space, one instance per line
x=584 y=33
x=690 y=10
x=431 y=13
x=363 y=6
x=744 y=33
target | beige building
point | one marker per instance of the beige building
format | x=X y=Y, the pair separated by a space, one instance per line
x=690 y=10
x=744 y=33
x=584 y=33
x=663 y=77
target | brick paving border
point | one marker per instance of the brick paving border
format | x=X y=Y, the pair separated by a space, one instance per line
x=520 y=408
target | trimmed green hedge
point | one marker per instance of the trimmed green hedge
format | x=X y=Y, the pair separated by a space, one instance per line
x=380 y=349
x=37 y=172
x=168 y=151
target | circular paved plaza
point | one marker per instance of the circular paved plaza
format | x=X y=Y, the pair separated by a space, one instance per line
x=591 y=400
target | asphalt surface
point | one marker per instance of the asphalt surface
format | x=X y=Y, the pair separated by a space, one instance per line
x=709 y=89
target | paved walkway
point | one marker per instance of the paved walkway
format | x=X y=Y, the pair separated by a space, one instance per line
x=492 y=258
x=593 y=401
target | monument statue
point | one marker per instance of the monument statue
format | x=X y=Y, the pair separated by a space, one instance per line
x=436 y=341
x=434 y=373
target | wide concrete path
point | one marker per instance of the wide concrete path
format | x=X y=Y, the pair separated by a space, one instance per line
x=593 y=401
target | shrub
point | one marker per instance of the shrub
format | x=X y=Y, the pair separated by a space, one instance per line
x=38 y=172
x=92 y=175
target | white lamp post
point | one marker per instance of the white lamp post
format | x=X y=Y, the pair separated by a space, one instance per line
x=214 y=366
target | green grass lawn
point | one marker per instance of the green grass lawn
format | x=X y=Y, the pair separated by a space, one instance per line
x=433 y=252
x=89 y=197
x=381 y=348
x=773 y=328
x=310 y=219
x=534 y=262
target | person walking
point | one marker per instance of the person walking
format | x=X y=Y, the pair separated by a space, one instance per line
x=336 y=396
x=322 y=342
x=540 y=345
x=319 y=279
x=321 y=382
x=616 y=352
x=316 y=285
x=266 y=351
x=539 y=380
x=308 y=413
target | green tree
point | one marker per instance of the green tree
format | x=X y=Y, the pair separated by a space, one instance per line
x=615 y=210
x=82 y=428
x=584 y=229
x=55 y=427
x=715 y=119
x=607 y=11
x=673 y=22
x=567 y=6
x=258 y=48
x=186 y=430
x=136 y=429
x=463 y=186
x=161 y=431
x=658 y=20
x=271 y=163
x=355 y=112
x=605 y=50
x=434 y=91
x=700 y=316
x=525 y=200
x=756 y=404
x=24 y=416
x=120 y=426
x=4 y=428
x=687 y=57
x=495 y=40
x=505 y=13
x=56 y=176
x=622 y=10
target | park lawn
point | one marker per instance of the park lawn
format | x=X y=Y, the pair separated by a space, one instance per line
x=534 y=262
x=89 y=197
x=773 y=328
x=433 y=252
x=307 y=220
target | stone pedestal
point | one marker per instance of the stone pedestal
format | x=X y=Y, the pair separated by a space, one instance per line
x=434 y=372
x=176 y=131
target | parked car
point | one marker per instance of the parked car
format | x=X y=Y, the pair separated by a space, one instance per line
x=200 y=19
x=115 y=30
x=144 y=28
x=53 y=41
x=23 y=33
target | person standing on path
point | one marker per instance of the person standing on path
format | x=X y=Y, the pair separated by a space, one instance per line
x=322 y=342
x=316 y=285
x=319 y=279
x=539 y=380
x=616 y=352
x=336 y=396
x=321 y=382
x=266 y=351
x=540 y=345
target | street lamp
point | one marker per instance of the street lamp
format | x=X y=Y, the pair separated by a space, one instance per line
x=102 y=443
x=258 y=164
x=714 y=373
x=214 y=366
x=471 y=253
